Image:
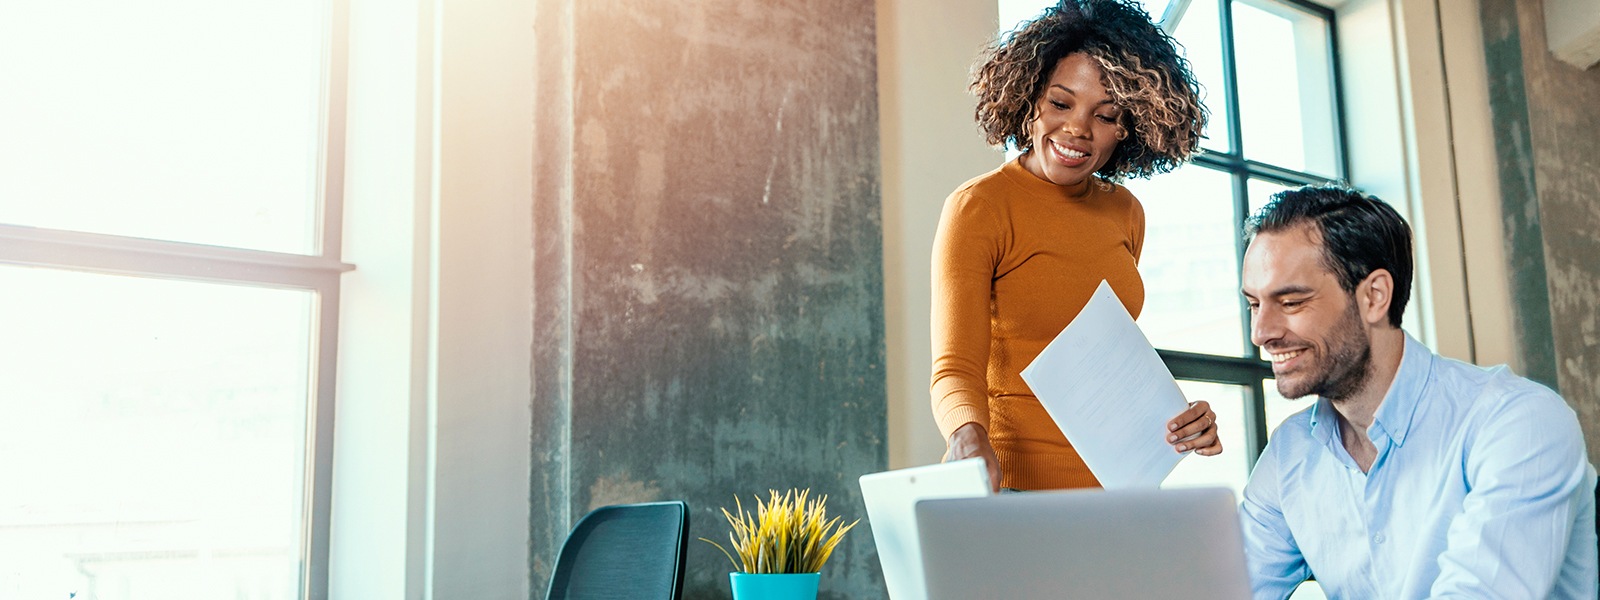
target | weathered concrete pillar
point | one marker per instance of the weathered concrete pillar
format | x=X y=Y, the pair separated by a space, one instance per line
x=1547 y=126
x=708 y=266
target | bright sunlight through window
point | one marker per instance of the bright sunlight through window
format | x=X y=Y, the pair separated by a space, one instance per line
x=166 y=295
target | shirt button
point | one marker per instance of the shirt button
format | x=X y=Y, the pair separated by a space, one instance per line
x=1378 y=539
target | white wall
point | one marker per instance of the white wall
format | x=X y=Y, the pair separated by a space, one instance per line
x=1448 y=165
x=433 y=426
x=930 y=145
x=381 y=420
x=483 y=298
x=1477 y=186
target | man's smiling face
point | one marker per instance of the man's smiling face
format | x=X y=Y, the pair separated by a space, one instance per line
x=1300 y=315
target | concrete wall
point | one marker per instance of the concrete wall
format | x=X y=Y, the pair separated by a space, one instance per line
x=708 y=266
x=1548 y=137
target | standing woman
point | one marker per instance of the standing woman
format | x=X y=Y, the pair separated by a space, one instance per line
x=1091 y=92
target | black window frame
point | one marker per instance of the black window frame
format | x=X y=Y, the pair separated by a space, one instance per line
x=1249 y=371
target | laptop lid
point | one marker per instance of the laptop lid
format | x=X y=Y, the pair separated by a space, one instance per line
x=891 y=498
x=1085 y=544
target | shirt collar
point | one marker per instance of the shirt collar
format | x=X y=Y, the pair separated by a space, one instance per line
x=1320 y=410
x=1399 y=407
x=1040 y=188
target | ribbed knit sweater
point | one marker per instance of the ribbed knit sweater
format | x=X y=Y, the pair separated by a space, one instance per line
x=1014 y=260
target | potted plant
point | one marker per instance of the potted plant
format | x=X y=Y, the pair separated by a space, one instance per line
x=778 y=551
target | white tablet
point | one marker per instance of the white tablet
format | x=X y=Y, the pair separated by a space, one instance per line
x=891 y=498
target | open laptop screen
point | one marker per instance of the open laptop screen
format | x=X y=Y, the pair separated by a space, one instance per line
x=1085 y=544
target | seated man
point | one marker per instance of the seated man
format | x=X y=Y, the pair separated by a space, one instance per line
x=1412 y=475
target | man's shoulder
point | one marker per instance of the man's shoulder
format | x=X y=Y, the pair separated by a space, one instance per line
x=1490 y=405
x=1490 y=389
x=1506 y=423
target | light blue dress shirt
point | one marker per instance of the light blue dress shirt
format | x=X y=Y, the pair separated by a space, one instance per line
x=1481 y=488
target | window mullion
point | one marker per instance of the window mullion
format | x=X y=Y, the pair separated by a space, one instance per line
x=1241 y=210
x=318 y=501
x=330 y=205
x=1255 y=411
x=81 y=251
x=1289 y=177
x=1340 y=136
x=1230 y=77
x=1211 y=368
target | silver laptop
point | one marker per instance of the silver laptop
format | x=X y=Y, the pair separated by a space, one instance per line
x=891 y=498
x=1179 y=543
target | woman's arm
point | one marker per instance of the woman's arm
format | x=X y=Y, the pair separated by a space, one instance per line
x=966 y=249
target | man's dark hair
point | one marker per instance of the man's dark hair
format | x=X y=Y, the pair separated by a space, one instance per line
x=1359 y=234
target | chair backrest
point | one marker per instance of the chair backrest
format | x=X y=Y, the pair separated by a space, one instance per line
x=624 y=551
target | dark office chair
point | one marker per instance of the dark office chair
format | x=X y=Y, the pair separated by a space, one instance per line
x=624 y=552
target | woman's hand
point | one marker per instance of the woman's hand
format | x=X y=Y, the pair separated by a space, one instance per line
x=972 y=440
x=1195 y=429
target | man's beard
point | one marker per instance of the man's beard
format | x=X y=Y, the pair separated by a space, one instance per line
x=1343 y=368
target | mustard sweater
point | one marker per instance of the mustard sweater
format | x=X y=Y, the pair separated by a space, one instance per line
x=1014 y=260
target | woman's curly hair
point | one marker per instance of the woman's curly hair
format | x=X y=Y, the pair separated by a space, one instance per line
x=1140 y=66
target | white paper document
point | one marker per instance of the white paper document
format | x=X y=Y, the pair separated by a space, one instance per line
x=1109 y=392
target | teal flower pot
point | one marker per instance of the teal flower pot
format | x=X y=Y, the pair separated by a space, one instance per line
x=775 y=586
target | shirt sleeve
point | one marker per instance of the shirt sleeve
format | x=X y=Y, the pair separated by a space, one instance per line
x=1136 y=229
x=966 y=249
x=1527 y=475
x=1273 y=558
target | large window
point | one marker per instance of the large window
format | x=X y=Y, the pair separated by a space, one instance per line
x=1268 y=73
x=169 y=269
